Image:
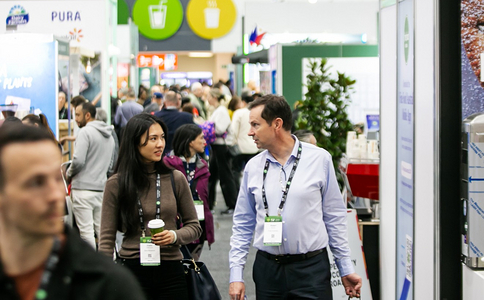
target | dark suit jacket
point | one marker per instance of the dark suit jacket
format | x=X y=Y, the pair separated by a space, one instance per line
x=173 y=119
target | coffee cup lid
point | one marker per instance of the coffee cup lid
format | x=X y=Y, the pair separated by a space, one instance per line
x=156 y=223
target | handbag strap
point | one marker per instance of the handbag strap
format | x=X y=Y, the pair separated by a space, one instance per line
x=184 y=249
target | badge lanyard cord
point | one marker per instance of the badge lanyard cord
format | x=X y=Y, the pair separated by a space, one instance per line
x=158 y=207
x=288 y=183
x=50 y=265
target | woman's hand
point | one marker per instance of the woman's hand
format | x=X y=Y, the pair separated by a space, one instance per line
x=166 y=237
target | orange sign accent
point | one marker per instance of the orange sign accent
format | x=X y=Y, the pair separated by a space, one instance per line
x=163 y=61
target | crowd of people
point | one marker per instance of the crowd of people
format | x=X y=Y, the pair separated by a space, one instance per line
x=161 y=159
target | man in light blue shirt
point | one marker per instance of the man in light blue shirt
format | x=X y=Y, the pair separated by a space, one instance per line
x=290 y=202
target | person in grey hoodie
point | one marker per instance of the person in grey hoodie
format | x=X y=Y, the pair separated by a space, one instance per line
x=93 y=157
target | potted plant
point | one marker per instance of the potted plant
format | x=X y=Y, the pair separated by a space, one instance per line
x=324 y=110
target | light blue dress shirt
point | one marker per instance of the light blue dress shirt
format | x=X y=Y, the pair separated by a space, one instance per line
x=314 y=215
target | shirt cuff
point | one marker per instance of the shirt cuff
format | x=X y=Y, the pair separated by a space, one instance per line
x=236 y=274
x=174 y=233
x=345 y=266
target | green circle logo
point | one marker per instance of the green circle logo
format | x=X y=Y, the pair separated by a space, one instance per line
x=158 y=20
x=406 y=40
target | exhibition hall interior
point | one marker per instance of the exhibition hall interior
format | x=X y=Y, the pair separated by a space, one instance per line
x=392 y=90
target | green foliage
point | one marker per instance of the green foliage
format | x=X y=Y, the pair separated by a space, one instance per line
x=324 y=110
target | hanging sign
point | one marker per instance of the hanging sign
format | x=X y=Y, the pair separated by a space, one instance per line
x=162 y=61
x=211 y=19
x=158 y=19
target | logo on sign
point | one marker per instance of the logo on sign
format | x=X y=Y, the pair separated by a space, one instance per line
x=75 y=35
x=66 y=16
x=17 y=16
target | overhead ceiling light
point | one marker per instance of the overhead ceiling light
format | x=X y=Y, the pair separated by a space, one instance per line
x=312 y=1
x=200 y=54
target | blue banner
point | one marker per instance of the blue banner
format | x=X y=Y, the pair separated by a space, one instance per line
x=28 y=74
x=405 y=150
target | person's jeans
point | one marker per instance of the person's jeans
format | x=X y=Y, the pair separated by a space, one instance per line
x=86 y=206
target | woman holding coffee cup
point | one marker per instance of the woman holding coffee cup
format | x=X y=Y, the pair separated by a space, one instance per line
x=188 y=141
x=141 y=190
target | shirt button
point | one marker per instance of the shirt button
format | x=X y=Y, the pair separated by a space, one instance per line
x=285 y=240
x=283 y=222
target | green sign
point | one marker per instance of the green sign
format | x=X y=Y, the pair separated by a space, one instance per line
x=158 y=20
x=406 y=40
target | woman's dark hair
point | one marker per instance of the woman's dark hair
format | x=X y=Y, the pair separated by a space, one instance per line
x=132 y=172
x=40 y=121
x=142 y=89
x=234 y=103
x=184 y=135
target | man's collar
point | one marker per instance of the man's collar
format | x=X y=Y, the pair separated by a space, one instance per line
x=271 y=158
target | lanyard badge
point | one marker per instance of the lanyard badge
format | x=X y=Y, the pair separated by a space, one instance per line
x=273 y=224
x=149 y=252
x=273 y=231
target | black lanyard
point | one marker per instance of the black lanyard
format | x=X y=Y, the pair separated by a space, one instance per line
x=158 y=207
x=288 y=183
x=50 y=265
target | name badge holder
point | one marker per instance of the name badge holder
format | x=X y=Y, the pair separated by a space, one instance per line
x=273 y=231
x=200 y=209
x=273 y=224
x=149 y=252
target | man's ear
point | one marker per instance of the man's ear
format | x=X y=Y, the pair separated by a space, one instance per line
x=278 y=122
x=87 y=116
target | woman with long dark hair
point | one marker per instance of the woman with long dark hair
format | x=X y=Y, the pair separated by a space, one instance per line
x=143 y=188
x=188 y=141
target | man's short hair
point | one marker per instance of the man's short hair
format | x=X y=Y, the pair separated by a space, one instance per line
x=123 y=90
x=101 y=115
x=19 y=133
x=303 y=135
x=170 y=97
x=87 y=107
x=274 y=107
x=130 y=94
x=195 y=86
x=78 y=100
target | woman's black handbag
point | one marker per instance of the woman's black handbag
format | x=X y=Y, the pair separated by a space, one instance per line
x=200 y=283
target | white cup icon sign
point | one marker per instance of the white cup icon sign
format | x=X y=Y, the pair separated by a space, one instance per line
x=212 y=14
x=157 y=15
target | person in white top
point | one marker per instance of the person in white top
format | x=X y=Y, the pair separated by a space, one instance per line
x=220 y=161
x=240 y=128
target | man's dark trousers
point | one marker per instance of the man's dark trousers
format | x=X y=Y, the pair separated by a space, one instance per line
x=306 y=279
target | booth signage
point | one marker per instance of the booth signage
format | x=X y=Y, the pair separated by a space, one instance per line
x=161 y=61
x=158 y=20
x=17 y=16
x=357 y=258
x=211 y=19
x=405 y=151
x=81 y=22
x=28 y=78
